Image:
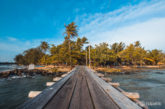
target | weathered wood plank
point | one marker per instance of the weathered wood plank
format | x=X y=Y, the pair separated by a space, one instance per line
x=81 y=98
x=49 y=83
x=100 y=74
x=132 y=95
x=106 y=79
x=56 y=79
x=61 y=100
x=33 y=94
x=80 y=89
x=114 y=84
x=122 y=101
x=100 y=98
x=43 y=98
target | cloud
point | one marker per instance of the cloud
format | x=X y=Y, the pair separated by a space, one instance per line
x=151 y=33
x=11 y=39
x=8 y=49
x=144 y=22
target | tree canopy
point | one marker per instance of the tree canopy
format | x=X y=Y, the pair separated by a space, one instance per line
x=75 y=52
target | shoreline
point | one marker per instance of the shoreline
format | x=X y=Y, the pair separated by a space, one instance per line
x=46 y=70
x=59 y=70
x=126 y=69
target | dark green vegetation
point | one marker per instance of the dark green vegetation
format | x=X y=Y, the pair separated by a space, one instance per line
x=71 y=52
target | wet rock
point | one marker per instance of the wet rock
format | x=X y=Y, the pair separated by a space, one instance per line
x=20 y=72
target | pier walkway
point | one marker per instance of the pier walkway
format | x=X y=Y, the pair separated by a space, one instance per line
x=80 y=89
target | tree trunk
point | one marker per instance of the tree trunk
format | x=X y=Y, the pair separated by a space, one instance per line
x=86 y=58
x=89 y=57
x=70 y=54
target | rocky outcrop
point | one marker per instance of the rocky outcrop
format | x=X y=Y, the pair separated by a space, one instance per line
x=20 y=72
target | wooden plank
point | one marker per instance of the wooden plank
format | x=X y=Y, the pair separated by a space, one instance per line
x=49 y=83
x=122 y=101
x=141 y=104
x=33 y=94
x=81 y=98
x=100 y=74
x=62 y=99
x=135 y=100
x=56 y=79
x=132 y=95
x=100 y=98
x=63 y=75
x=114 y=84
x=43 y=98
x=106 y=79
x=80 y=89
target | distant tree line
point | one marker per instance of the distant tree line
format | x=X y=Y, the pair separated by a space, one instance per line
x=73 y=52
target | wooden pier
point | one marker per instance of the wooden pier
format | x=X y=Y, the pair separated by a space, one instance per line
x=80 y=89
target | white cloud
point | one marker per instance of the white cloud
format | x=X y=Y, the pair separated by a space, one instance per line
x=11 y=39
x=144 y=22
x=151 y=33
x=9 y=49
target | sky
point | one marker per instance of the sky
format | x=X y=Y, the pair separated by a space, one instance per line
x=25 y=23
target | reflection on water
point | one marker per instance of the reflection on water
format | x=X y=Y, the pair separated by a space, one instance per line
x=150 y=85
x=14 y=91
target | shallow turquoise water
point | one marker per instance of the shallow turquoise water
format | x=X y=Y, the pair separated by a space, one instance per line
x=149 y=84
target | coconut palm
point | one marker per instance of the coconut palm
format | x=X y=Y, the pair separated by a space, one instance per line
x=44 y=46
x=71 y=32
x=137 y=44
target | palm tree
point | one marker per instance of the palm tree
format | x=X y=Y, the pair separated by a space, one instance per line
x=137 y=44
x=44 y=46
x=71 y=32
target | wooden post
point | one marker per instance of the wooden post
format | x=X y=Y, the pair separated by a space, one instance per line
x=106 y=79
x=89 y=56
x=131 y=95
x=33 y=94
x=49 y=83
x=114 y=84
x=63 y=75
x=100 y=75
x=56 y=79
x=86 y=57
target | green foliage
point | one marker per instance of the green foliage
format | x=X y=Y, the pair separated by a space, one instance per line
x=133 y=54
x=53 y=70
x=155 y=55
x=71 y=30
x=117 y=47
x=30 y=56
x=101 y=54
x=72 y=52
x=137 y=44
x=19 y=59
x=44 y=46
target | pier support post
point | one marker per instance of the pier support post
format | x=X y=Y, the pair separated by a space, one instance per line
x=106 y=79
x=33 y=94
x=100 y=75
x=114 y=84
x=49 y=83
x=131 y=95
x=56 y=79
